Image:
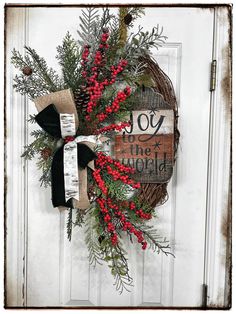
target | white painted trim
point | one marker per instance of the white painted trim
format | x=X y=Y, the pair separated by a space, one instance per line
x=16 y=139
x=218 y=167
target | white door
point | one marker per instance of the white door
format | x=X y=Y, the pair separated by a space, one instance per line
x=43 y=268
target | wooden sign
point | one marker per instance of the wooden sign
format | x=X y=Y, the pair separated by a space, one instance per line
x=148 y=144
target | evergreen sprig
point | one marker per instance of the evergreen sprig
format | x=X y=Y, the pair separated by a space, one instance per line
x=42 y=141
x=69 y=223
x=141 y=42
x=135 y=12
x=117 y=189
x=69 y=58
x=118 y=264
x=48 y=75
x=79 y=218
x=43 y=79
x=45 y=166
x=96 y=255
x=156 y=242
x=88 y=19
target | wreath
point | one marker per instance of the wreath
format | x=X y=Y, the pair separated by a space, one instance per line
x=80 y=112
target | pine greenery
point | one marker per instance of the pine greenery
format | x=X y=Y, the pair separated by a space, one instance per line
x=88 y=23
x=69 y=56
x=96 y=256
x=100 y=251
x=117 y=189
x=141 y=42
x=42 y=141
x=43 y=79
x=69 y=223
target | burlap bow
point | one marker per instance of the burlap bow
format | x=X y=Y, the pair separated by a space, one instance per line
x=58 y=116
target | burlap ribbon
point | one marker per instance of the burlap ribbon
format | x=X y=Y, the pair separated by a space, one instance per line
x=58 y=116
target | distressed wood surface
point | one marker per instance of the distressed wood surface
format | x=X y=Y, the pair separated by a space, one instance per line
x=148 y=144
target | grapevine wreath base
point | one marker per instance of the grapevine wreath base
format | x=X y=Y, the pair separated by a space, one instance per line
x=80 y=111
x=156 y=193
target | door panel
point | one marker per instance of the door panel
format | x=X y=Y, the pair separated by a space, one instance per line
x=58 y=272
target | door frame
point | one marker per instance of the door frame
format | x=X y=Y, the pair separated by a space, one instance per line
x=217 y=268
x=217 y=263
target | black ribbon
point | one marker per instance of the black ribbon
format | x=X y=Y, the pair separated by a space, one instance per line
x=49 y=120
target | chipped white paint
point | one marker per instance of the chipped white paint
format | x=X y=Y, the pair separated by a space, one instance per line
x=218 y=169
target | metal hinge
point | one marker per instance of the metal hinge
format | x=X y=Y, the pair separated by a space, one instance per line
x=204 y=295
x=213 y=76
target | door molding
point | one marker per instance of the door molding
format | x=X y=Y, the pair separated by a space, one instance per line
x=218 y=209
x=16 y=132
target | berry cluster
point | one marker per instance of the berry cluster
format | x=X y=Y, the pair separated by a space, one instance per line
x=116 y=170
x=98 y=58
x=84 y=61
x=105 y=205
x=98 y=179
x=115 y=106
x=68 y=139
x=142 y=215
x=107 y=219
x=102 y=161
x=139 y=212
x=95 y=86
x=104 y=38
x=124 y=178
x=113 y=127
x=115 y=70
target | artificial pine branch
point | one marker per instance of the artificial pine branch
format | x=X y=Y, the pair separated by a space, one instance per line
x=69 y=224
x=43 y=146
x=47 y=74
x=87 y=25
x=96 y=255
x=120 y=269
x=42 y=80
x=69 y=55
x=135 y=12
x=32 y=118
x=79 y=218
x=157 y=243
x=116 y=189
x=45 y=166
x=42 y=140
x=115 y=256
x=141 y=42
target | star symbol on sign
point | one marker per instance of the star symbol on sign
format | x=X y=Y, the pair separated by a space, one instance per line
x=152 y=111
x=157 y=145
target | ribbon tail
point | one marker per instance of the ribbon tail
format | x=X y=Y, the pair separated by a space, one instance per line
x=57 y=180
x=83 y=201
x=58 y=184
x=75 y=177
x=71 y=171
